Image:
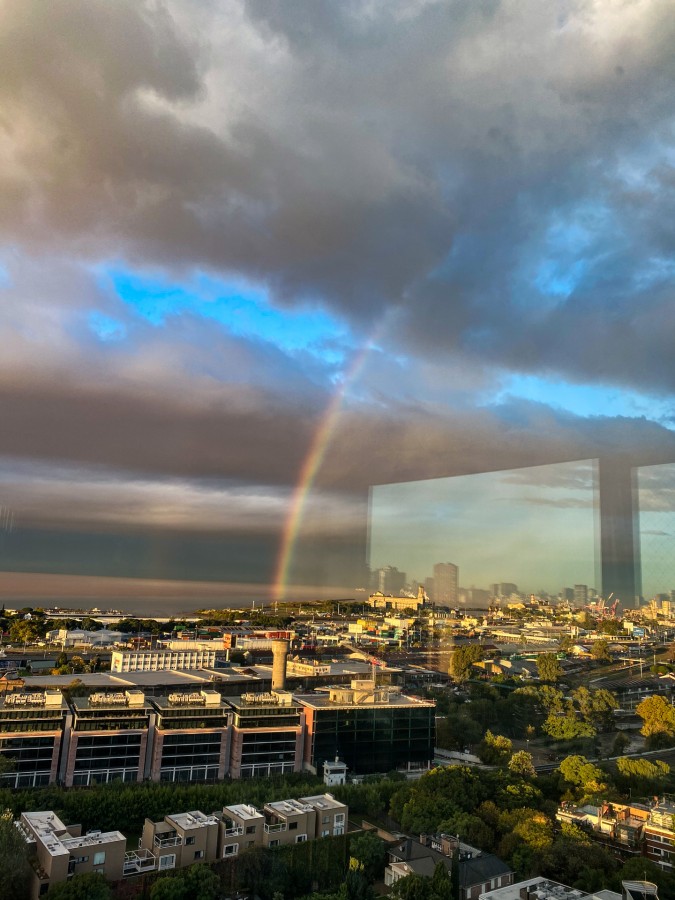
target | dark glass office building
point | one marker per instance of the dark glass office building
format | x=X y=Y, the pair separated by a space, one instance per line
x=372 y=728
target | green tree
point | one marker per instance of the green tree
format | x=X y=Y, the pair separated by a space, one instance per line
x=521 y=764
x=201 y=882
x=441 y=884
x=14 y=867
x=577 y=770
x=472 y=829
x=596 y=707
x=412 y=887
x=567 y=727
x=600 y=650
x=169 y=887
x=463 y=659
x=88 y=886
x=548 y=667
x=658 y=720
x=494 y=749
x=356 y=886
x=23 y=631
x=621 y=742
x=643 y=775
x=370 y=853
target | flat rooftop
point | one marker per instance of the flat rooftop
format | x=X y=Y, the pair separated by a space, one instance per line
x=288 y=807
x=243 y=811
x=193 y=819
x=323 y=801
x=182 y=678
x=395 y=700
x=92 y=839
x=53 y=835
x=191 y=700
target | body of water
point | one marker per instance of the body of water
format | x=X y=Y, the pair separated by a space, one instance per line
x=147 y=597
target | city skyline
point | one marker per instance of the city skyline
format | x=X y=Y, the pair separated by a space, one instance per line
x=257 y=258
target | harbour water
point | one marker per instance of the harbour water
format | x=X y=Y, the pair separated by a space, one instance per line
x=148 y=597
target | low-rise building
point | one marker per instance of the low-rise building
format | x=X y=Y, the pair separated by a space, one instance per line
x=241 y=827
x=181 y=839
x=57 y=852
x=386 y=602
x=288 y=822
x=331 y=815
x=539 y=888
x=617 y=824
x=659 y=834
x=161 y=660
x=477 y=871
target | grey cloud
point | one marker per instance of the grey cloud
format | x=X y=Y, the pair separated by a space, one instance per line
x=368 y=156
x=70 y=496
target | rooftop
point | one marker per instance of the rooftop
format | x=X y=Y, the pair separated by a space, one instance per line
x=47 y=828
x=323 y=801
x=340 y=697
x=288 y=807
x=193 y=819
x=243 y=811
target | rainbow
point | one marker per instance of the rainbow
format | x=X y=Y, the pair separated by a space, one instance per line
x=310 y=467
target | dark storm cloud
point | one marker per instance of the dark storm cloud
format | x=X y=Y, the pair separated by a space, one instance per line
x=255 y=436
x=499 y=175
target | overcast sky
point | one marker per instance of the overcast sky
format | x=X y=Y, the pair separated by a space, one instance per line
x=400 y=239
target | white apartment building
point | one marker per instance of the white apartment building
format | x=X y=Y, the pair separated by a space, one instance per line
x=161 y=660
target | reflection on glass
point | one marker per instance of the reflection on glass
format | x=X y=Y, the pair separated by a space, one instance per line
x=466 y=538
x=656 y=505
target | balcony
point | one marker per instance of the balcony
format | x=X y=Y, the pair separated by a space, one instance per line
x=273 y=829
x=163 y=842
x=138 y=861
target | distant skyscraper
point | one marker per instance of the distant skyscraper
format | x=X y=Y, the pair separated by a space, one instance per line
x=580 y=594
x=446 y=577
x=389 y=580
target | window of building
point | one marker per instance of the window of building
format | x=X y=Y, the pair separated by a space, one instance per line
x=274 y=843
x=233 y=849
x=167 y=862
x=292 y=826
x=99 y=858
x=190 y=840
x=250 y=829
x=325 y=832
x=199 y=854
x=325 y=820
x=300 y=839
x=339 y=818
